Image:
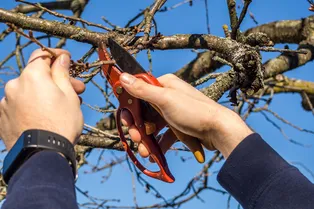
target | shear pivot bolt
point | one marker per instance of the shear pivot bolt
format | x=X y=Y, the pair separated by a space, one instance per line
x=119 y=90
x=130 y=101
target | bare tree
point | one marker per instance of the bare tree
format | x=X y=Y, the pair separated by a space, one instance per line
x=252 y=85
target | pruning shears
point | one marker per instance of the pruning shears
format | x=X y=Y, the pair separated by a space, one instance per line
x=147 y=117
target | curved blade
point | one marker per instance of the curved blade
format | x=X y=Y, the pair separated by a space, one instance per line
x=124 y=59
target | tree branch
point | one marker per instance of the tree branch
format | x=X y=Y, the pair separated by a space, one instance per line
x=283 y=84
x=233 y=17
x=54 y=5
x=286 y=31
x=97 y=141
x=232 y=51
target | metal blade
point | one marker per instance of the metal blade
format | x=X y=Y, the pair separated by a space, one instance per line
x=124 y=59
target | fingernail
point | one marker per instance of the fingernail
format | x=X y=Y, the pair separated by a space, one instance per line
x=199 y=156
x=127 y=78
x=65 y=60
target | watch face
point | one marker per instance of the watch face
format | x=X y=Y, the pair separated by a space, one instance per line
x=13 y=153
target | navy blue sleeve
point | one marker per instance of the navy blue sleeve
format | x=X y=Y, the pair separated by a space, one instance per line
x=258 y=177
x=44 y=181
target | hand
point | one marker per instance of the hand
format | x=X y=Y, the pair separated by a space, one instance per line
x=42 y=97
x=189 y=111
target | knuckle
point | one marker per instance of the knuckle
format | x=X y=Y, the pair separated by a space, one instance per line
x=32 y=75
x=62 y=51
x=170 y=77
x=167 y=79
x=2 y=102
x=35 y=54
x=139 y=86
x=10 y=87
x=39 y=53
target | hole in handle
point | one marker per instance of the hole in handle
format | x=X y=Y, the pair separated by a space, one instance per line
x=151 y=144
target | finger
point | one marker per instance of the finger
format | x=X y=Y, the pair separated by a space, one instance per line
x=142 y=150
x=140 y=89
x=60 y=74
x=78 y=86
x=45 y=55
x=135 y=134
x=166 y=141
x=40 y=61
x=126 y=118
x=192 y=143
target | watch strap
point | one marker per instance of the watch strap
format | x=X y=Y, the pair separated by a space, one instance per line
x=34 y=141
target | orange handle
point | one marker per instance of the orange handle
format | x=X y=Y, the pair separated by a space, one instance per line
x=133 y=105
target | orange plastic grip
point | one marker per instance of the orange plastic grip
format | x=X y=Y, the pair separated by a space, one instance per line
x=132 y=104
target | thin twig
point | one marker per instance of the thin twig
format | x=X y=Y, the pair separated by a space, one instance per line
x=96 y=130
x=283 y=120
x=72 y=18
x=206 y=78
x=90 y=75
x=98 y=109
x=308 y=101
x=207 y=17
x=233 y=16
x=282 y=131
x=272 y=49
x=242 y=15
x=32 y=38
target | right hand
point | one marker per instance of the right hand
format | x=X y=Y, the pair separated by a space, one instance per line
x=189 y=111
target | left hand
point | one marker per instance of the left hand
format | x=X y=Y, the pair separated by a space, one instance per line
x=43 y=97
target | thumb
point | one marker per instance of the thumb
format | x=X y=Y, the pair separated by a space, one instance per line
x=60 y=73
x=142 y=90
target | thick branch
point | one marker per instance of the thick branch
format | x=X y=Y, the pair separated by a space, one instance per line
x=54 y=5
x=278 y=65
x=54 y=28
x=286 y=62
x=287 y=31
x=283 y=84
x=231 y=50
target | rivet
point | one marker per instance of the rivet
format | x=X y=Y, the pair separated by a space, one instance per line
x=119 y=90
x=130 y=101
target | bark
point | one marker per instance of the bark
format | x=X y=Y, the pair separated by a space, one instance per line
x=287 y=31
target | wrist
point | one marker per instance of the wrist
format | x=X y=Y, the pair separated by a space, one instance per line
x=231 y=130
x=33 y=141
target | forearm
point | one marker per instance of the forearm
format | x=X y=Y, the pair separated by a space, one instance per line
x=44 y=181
x=259 y=178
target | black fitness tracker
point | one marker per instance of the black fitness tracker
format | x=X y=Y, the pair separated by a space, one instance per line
x=33 y=141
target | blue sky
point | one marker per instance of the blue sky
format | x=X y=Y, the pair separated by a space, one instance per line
x=185 y=20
